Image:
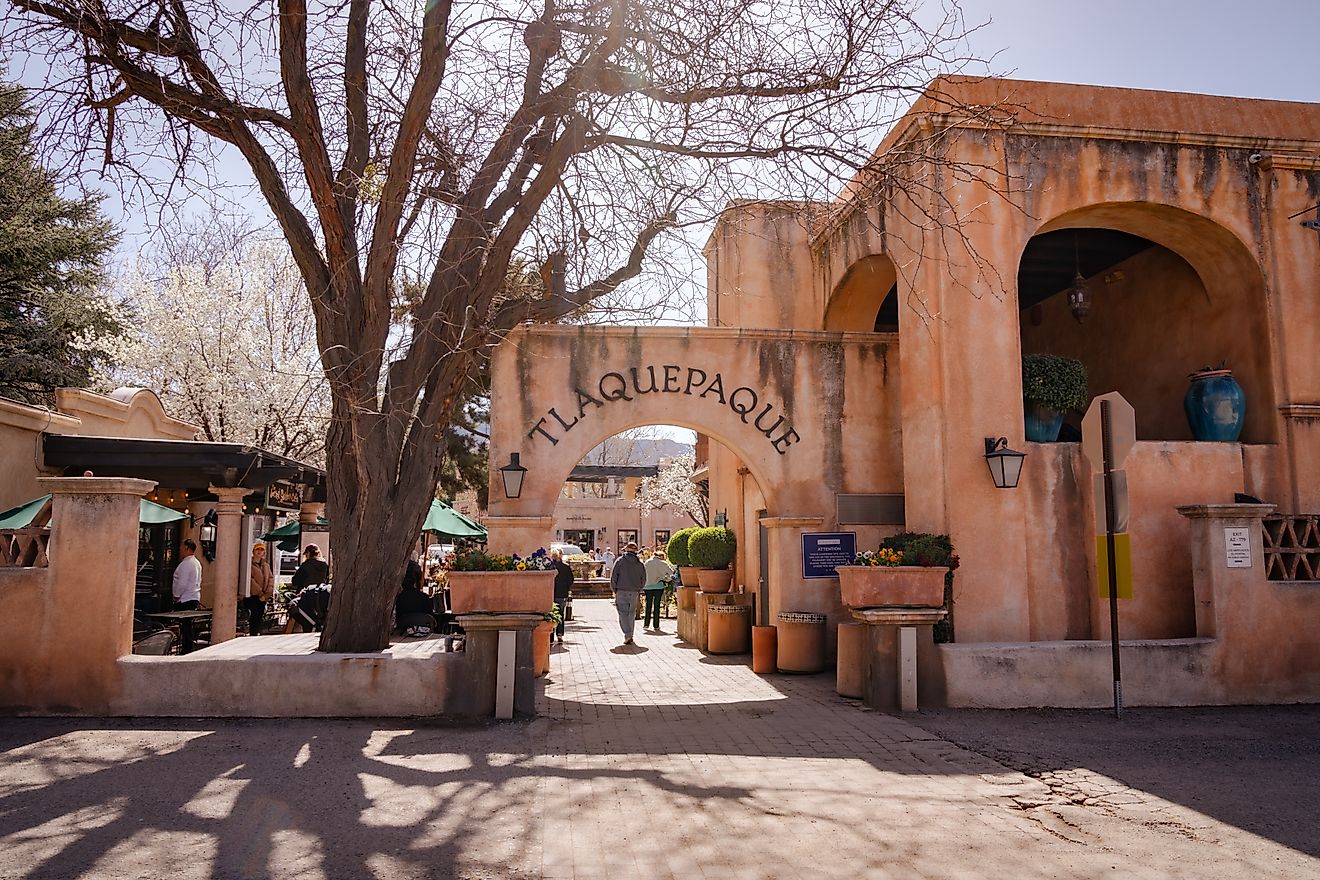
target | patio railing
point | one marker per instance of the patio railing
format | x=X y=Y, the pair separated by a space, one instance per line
x=1292 y=547
x=24 y=548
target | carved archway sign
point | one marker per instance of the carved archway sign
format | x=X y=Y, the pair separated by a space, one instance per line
x=700 y=387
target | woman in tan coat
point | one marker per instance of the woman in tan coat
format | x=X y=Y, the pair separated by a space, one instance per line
x=261 y=591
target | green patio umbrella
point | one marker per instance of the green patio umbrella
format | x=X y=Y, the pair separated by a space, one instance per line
x=446 y=522
x=150 y=514
x=289 y=535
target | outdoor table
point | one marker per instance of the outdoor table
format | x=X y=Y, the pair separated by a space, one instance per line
x=185 y=620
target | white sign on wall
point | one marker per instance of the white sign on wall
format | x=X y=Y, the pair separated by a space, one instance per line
x=1237 y=547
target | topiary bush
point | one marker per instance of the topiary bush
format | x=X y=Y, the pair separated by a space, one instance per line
x=676 y=551
x=712 y=548
x=1054 y=382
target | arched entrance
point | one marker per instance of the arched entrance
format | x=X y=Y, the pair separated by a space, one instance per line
x=773 y=401
x=866 y=299
x=1171 y=291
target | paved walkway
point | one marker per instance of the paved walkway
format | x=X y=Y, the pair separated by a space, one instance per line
x=652 y=761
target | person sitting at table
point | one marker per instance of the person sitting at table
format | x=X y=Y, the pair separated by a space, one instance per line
x=412 y=608
x=187 y=586
x=314 y=569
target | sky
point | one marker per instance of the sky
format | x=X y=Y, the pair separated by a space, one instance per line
x=1256 y=49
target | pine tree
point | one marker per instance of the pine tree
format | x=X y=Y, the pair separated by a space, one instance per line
x=54 y=316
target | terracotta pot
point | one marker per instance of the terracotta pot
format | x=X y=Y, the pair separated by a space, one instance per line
x=687 y=598
x=501 y=592
x=764 y=649
x=801 y=642
x=688 y=575
x=727 y=629
x=864 y=586
x=851 y=659
x=715 y=580
x=541 y=647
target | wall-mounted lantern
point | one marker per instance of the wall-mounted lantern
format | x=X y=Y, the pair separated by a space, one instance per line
x=512 y=474
x=1005 y=464
x=207 y=533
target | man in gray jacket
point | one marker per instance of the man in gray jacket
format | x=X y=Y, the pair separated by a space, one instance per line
x=627 y=580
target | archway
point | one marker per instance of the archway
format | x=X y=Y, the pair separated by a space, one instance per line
x=1171 y=292
x=866 y=299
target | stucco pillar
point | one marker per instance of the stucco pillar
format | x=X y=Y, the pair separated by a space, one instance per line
x=88 y=613
x=788 y=590
x=519 y=534
x=228 y=543
x=1223 y=587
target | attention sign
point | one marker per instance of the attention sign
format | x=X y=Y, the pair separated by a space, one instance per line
x=822 y=552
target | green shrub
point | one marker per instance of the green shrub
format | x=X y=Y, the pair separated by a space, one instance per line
x=676 y=551
x=1054 y=382
x=712 y=548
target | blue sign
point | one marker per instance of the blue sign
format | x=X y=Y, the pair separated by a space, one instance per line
x=822 y=552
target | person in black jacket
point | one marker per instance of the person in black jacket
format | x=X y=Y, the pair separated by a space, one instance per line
x=314 y=569
x=563 y=588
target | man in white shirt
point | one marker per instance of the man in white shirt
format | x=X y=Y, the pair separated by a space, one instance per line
x=188 y=578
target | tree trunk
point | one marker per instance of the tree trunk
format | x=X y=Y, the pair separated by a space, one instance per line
x=373 y=528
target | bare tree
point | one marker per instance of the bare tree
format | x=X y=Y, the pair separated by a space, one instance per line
x=439 y=142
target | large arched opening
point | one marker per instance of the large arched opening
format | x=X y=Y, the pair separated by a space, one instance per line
x=1170 y=292
x=866 y=299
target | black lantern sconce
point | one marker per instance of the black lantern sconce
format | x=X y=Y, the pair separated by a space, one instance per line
x=207 y=533
x=512 y=474
x=1005 y=464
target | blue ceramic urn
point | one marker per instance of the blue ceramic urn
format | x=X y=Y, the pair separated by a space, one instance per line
x=1215 y=406
x=1042 y=423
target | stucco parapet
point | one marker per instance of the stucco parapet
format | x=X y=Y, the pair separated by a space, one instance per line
x=97 y=485
x=708 y=333
x=119 y=406
x=792 y=522
x=1196 y=643
x=36 y=419
x=519 y=522
x=1226 y=511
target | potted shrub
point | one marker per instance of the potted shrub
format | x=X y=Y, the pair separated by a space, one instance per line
x=1215 y=404
x=1051 y=387
x=907 y=569
x=711 y=550
x=676 y=553
x=495 y=583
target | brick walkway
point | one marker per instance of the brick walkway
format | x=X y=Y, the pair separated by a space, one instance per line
x=649 y=762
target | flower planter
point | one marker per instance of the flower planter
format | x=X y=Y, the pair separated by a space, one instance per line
x=728 y=629
x=864 y=586
x=1042 y=423
x=801 y=642
x=688 y=575
x=715 y=580
x=501 y=592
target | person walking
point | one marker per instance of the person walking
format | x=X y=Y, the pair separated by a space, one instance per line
x=659 y=574
x=563 y=589
x=187 y=585
x=627 y=580
x=261 y=589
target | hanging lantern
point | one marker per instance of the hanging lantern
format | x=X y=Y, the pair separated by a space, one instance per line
x=1079 y=299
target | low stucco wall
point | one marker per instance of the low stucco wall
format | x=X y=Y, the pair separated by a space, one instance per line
x=283 y=677
x=23 y=593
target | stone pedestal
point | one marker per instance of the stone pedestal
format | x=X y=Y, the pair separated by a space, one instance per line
x=483 y=649
x=1222 y=586
x=87 y=616
x=889 y=673
x=693 y=624
x=849 y=678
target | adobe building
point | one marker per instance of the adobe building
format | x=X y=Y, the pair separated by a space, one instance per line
x=859 y=353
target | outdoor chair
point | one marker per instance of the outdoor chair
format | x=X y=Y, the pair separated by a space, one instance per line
x=157 y=643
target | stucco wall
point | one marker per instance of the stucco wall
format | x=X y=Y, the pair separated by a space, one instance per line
x=759 y=269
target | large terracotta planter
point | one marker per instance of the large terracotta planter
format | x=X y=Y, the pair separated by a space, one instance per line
x=728 y=629
x=865 y=586
x=688 y=575
x=541 y=647
x=501 y=592
x=801 y=642
x=715 y=580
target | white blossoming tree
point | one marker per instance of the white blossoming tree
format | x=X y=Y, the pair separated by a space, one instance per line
x=232 y=348
x=673 y=486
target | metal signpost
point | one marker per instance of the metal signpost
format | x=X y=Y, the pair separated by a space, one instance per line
x=1109 y=431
